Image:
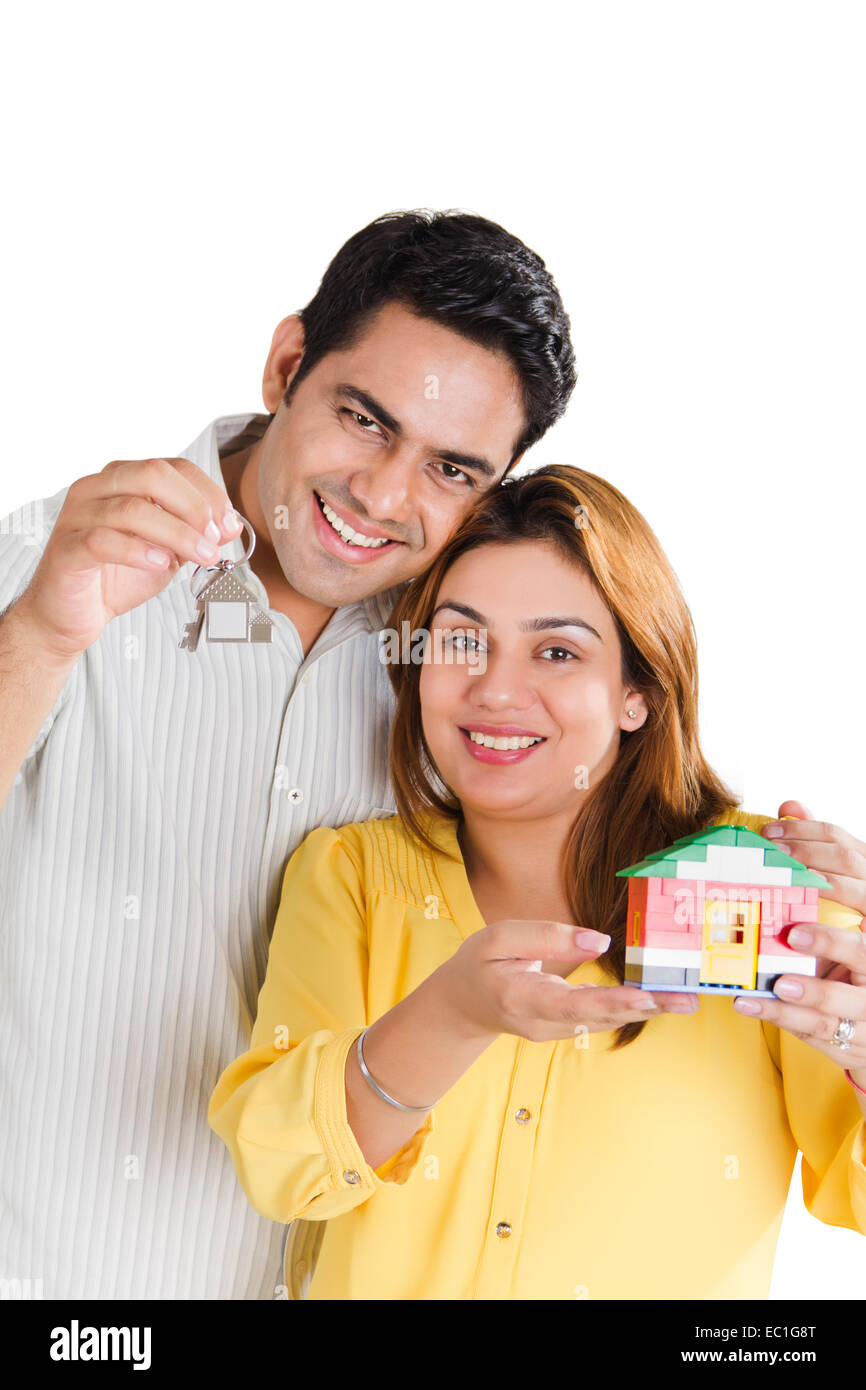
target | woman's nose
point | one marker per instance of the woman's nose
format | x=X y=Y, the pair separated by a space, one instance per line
x=502 y=685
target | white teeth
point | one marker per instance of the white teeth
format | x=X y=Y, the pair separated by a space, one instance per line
x=488 y=741
x=346 y=532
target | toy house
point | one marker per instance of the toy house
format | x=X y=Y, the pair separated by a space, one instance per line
x=704 y=915
x=230 y=613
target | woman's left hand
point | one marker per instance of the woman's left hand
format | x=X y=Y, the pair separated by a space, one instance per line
x=838 y=989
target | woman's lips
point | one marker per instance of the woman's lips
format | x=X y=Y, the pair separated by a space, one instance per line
x=498 y=755
x=354 y=554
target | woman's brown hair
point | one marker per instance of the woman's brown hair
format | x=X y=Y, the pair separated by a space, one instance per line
x=660 y=787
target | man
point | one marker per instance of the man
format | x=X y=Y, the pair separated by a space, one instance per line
x=153 y=795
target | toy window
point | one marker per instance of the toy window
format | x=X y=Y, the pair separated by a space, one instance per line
x=635 y=930
x=732 y=936
x=729 y=922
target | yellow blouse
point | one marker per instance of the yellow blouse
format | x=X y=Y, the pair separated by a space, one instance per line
x=550 y=1170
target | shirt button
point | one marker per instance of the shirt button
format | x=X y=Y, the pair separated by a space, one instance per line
x=351 y=1176
x=306 y=678
x=295 y=795
x=503 y=1230
x=522 y=1116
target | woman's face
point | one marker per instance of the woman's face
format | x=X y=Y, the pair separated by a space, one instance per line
x=548 y=665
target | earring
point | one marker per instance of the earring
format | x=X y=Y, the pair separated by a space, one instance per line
x=632 y=714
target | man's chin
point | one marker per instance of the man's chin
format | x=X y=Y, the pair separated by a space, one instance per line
x=337 y=590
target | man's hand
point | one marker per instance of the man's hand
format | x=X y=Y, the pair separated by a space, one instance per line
x=120 y=537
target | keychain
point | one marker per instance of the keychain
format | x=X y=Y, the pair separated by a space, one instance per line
x=225 y=606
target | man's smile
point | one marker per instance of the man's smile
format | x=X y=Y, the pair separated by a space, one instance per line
x=350 y=542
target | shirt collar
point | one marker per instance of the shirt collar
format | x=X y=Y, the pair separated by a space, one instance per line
x=239 y=431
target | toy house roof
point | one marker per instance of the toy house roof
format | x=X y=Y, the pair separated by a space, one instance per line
x=226 y=589
x=726 y=854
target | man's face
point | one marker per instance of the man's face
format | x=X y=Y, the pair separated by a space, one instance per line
x=397 y=437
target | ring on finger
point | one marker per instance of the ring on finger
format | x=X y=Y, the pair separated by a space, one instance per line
x=844 y=1034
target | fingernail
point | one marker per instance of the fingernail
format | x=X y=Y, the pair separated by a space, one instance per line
x=800 y=936
x=206 y=550
x=789 y=989
x=774 y=830
x=230 y=521
x=746 y=1006
x=682 y=1006
x=646 y=1002
x=158 y=558
x=592 y=941
x=212 y=531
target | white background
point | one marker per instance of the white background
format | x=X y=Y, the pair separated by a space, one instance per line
x=178 y=175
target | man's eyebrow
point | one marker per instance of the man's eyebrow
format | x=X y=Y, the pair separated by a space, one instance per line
x=532 y=624
x=472 y=462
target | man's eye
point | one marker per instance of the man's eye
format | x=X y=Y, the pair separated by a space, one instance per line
x=362 y=420
x=455 y=473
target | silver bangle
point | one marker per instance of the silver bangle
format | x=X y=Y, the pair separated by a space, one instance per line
x=378 y=1089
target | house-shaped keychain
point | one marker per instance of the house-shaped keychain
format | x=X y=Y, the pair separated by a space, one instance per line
x=226 y=608
x=705 y=914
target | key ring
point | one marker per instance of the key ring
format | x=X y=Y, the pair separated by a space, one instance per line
x=226 y=564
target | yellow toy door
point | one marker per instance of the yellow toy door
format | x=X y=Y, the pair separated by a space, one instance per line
x=729 y=954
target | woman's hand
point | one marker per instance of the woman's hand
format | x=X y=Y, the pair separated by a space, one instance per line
x=494 y=983
x=822 y=1003
x=811 y=1008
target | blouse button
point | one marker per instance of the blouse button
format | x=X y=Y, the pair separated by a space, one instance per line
x=503 y=1230
x=351 y=1176
x=523 y=1116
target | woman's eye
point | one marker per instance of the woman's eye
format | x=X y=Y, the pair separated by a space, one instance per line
x=563 y=652
x=462 y=641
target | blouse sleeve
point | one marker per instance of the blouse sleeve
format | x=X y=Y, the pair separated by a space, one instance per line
x=825 y=1116
x=280 y=1108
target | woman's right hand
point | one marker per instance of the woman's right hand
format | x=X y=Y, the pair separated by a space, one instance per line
x=495 y=983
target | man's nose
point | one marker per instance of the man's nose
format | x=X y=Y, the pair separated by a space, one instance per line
x=385 y=487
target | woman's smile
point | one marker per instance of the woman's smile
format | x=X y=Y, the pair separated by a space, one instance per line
x=504 y=743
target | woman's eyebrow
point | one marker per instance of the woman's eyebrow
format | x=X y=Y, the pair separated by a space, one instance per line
x=531 y=625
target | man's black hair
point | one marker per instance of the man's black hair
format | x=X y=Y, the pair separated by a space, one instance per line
x=464 y=272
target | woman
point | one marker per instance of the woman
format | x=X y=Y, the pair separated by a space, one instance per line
x=516 y=1122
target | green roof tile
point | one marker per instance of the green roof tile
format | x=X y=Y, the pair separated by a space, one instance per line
x=693 y=849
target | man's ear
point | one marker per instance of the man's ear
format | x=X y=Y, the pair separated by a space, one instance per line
x=635 y=711
x=284 y=358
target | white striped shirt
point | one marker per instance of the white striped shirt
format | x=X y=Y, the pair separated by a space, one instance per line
x=142 y=850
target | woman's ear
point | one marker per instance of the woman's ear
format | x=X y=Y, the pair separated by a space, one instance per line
x=635 y=711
